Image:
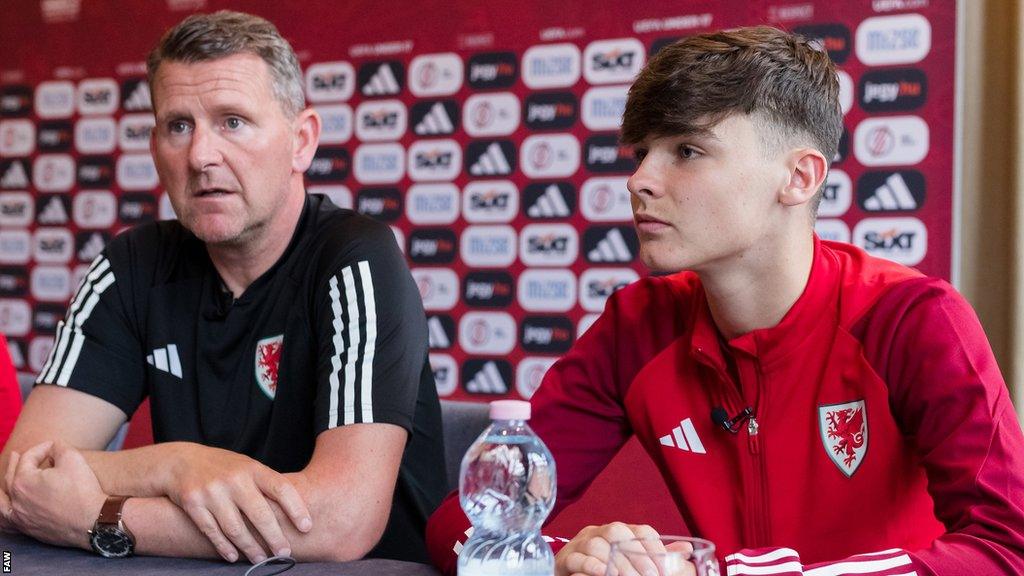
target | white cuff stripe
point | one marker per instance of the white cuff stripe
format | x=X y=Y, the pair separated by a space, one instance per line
x=762 y=558
x=370 y=305
x=859 y=567
x=740 y=569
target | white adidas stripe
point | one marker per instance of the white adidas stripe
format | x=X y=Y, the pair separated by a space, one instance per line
x=860 y=566
x=70 y=339
x=356 y=362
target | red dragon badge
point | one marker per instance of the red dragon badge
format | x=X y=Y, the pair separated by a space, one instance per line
x=268 y=359
x=844 y=431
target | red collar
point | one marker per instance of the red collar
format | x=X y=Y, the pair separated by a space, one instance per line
x=814 y=309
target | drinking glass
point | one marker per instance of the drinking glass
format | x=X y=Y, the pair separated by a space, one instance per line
x=662 y=556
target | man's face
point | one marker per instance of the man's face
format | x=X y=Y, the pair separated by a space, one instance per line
x=706 y=201
x=223 y=146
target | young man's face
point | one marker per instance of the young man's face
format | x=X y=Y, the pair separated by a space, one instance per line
x=223 y=146
x=705 y=201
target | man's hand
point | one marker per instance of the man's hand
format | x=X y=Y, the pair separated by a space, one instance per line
x=54 y=495
x=587 y=554
x=226 y=494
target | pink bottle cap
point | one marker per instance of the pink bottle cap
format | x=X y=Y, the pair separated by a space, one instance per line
x=510 y=410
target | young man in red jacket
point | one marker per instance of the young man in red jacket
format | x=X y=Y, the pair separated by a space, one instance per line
x=813 y=410
x=10 y=393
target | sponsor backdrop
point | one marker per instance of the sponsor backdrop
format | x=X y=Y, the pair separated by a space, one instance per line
x=484 y=134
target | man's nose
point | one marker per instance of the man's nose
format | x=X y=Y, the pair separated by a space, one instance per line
x=203 y=149
x=644 y=181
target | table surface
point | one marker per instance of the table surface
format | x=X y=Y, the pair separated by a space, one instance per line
x=29 y=557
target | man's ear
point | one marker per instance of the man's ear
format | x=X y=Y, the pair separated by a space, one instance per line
x=807 y=170
x=307 y=138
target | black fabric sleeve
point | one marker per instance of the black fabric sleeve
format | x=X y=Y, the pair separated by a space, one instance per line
x=370 y=329
x=95 y=349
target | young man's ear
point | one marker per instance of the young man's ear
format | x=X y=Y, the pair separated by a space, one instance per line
x=808 y=168
x=307 y=138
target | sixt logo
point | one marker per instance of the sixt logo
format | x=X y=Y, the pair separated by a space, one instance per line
x=903 y=240
x=551 y=111
x=489 y=201
x=491 y=70
x=605 y=154
x=330 y=82
x=548 y=245
x=836 y=194
x=432 y=246
x=488 y=289
x=381 y=120
x=613 y=61
x=329 y=164
x=16 y=209
x=546 y=334
x=98 y=96
x=134 y=131
x=889 y=90
x=381 y=203
x=53 y=245
x=434 y=160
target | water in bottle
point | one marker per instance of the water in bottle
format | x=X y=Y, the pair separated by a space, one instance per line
x=507 y=489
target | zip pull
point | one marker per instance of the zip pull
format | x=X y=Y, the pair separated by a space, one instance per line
x=752 y=429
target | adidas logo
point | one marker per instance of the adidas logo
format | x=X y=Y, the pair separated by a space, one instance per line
x=166 y=360
x=492 y=161
x=684 y=437
x=140 y=99
x=383 y=82
x=893 y=195
x=549 y=205
x=53 y=213
x=611 y=248
x=15 y=177
x=437 y=338
x=488 y=381
x=435 y=122
x=92 y=248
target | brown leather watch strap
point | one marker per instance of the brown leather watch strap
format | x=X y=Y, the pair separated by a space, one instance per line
x=110 y=513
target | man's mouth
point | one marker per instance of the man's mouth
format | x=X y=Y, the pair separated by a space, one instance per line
x=212 y=192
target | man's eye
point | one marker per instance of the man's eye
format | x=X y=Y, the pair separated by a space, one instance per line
x=687 y=152
x=178 y=127
x=233 y=123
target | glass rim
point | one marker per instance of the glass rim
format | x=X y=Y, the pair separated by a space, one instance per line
x=706 y=546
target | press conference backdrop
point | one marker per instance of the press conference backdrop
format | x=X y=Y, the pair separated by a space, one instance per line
x=483 y=133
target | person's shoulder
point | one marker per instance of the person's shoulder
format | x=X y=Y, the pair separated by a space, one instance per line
x=341 y=228
x=874 y=287
x=153 y=249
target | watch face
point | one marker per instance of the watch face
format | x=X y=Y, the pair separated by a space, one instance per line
x=112 y=542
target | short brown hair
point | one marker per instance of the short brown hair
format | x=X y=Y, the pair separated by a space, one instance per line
x=202 y=37
x=693 y=84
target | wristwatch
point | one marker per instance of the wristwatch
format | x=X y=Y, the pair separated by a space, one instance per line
x=109 y=536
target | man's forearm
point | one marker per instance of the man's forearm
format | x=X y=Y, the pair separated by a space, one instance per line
x=161 y=528
x=141 y=471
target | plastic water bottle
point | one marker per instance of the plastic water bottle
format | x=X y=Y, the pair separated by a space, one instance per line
x=507 y=489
